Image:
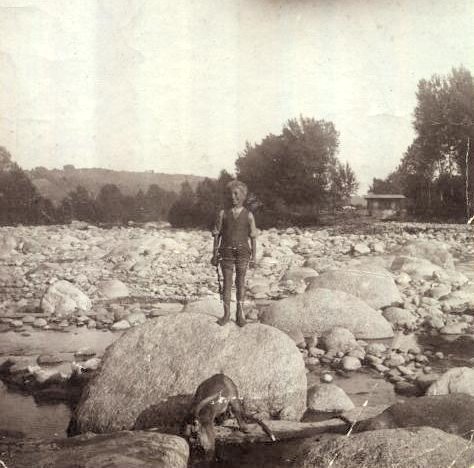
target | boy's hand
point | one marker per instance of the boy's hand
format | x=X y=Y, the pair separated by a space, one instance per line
x=252 y=263
x=214 y=260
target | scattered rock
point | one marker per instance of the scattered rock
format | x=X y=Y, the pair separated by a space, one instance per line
x=113 y=289
x=318 y=310
x=338 y=339
x=328 y=397
x=63 y=298
x=416 y=447
x=375 y=286
x=137 y=449
x=456 y=380
x=399 y=317
x=350 y=363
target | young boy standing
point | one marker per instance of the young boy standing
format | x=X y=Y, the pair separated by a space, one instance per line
x=234 y=229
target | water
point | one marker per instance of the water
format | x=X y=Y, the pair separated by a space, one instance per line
x=49 y=341
x=20 y=413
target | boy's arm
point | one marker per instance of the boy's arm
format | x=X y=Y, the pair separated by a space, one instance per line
x=253 y=239
x=216 y=233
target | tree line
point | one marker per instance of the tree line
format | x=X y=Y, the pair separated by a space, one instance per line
x=21 y=203
x=436 y=172
x=291 y=177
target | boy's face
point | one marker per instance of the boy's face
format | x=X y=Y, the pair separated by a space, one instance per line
x=237 y=197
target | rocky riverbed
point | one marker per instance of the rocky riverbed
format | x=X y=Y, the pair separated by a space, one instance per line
x=363 y=302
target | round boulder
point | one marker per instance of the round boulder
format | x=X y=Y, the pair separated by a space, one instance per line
x=434 y=251
x=63 y=298
x=148 y=376
x=328 y=397
x=210 y=306
x=399 y=317
x=339 y=339
x=299 y=274
x=455 y=380
x=112 y=289
x=319 y=310
x=374 y=286
x=423 y=447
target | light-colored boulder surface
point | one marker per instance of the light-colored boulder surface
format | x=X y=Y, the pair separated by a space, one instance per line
x=434 y=251
x=125 y=449
x=452 y=413
x=374 y=286
x=459 y=301
x=338 y=339
x=8 y=245
x=416 y=268
x=456 y=380
x=328 y=397
x=399 y=317
x=299 y=274
x=318 y=310
x=210 y=306
x=64 y=298
x=112 y=289
x=423 y=447
x=148 y=376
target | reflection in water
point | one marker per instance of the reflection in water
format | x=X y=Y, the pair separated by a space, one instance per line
x=21 y=413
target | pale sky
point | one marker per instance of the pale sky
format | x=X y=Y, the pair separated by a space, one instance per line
x=178 y=86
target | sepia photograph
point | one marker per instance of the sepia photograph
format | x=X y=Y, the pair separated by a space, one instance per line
x=236 y=233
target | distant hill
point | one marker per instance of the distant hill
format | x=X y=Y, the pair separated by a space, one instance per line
x=56 y=183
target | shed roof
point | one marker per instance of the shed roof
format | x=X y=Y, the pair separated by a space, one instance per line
x=380 y=195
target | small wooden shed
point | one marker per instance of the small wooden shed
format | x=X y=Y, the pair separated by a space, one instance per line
x=386 y=205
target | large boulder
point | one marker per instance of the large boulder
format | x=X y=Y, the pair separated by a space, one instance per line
x=149 y=375
x=209 y=305
x=455 y=380
x=328 y=397
x=339 y=339
x=374 y=286
x=459 y=301
x=63 y=298
x=137 y=449
x=399 y=317
x=434 y=251
x=451 y=413
x=318 y=310
x=112 y=289
x=297 y=274
x=416 y=268
x=422 y=447
x=8 y=245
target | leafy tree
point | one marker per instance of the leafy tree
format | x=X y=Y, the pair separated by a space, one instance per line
x=433 y=169
x=182 y=212
x=392 y=184
x=293 y=175
x=20 y=202
x=158 y=202
x=80 y=205
x=110 y=204
x=293 y=168
x=343 y=184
